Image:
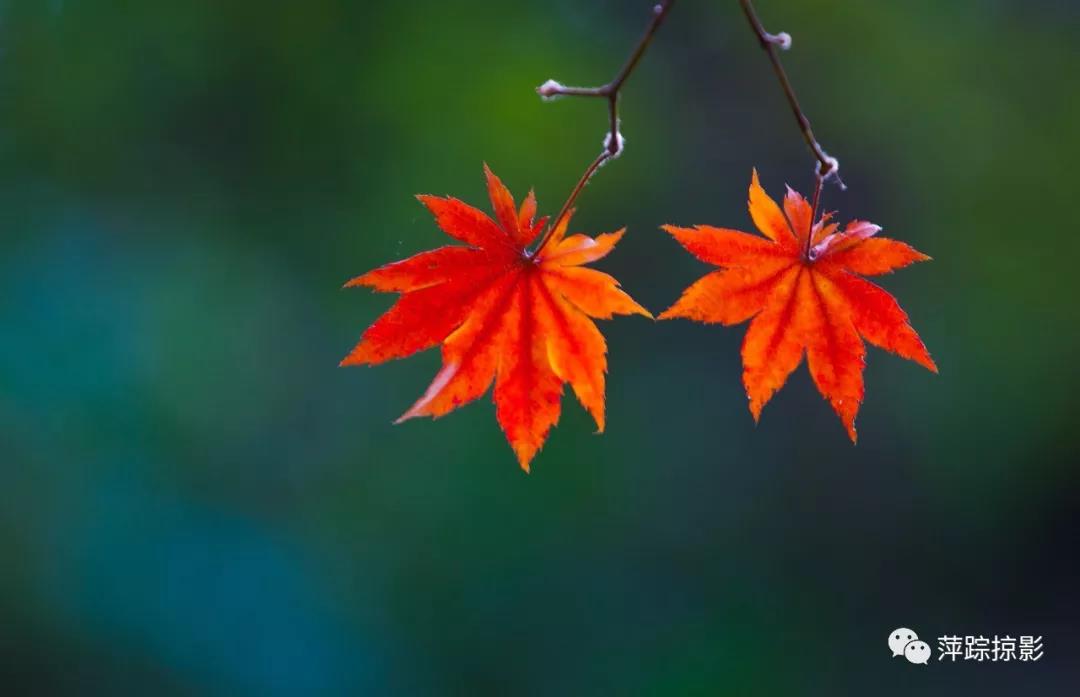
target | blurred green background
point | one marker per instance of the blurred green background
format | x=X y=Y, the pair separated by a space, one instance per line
x=196 y=500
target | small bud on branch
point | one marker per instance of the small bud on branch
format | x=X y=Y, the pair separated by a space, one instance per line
x=550 y=90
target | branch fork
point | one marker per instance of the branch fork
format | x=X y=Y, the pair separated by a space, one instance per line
x=828 y=167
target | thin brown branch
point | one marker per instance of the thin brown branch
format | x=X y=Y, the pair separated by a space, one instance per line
x=772 y=44
x=613 y=142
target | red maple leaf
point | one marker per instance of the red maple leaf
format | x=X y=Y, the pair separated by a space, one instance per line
x=804 y=295
x=502 y=314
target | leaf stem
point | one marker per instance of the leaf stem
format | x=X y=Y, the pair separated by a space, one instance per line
x=603 y=157
x=819 y=180
x=613 y=143
x=771 y=44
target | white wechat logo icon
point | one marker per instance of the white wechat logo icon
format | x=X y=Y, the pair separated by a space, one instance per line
x=905 y=642
x=917 y=652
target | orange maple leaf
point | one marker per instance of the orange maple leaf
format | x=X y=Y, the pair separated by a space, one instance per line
x=501 y=313
x=804 y=295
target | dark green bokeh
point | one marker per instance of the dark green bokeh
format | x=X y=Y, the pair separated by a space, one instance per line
x=195 y=499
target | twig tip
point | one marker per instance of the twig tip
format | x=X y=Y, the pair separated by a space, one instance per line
x=550 y=90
